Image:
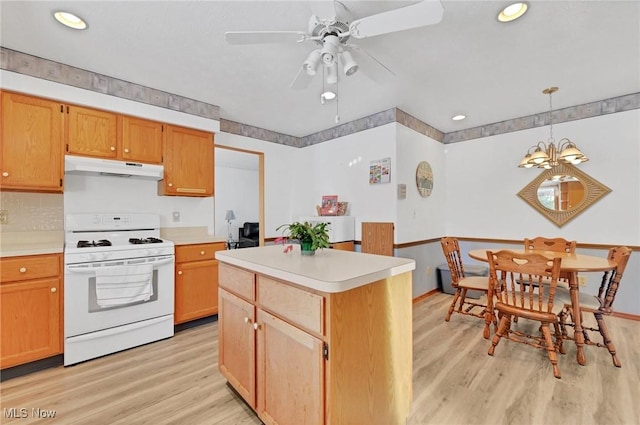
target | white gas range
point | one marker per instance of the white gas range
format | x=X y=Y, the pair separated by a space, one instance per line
x=119 y=284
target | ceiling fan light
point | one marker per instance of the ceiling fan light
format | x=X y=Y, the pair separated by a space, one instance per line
x=332 y=74
x=350 y=66
x=311 y=63
x=330 y=49
x=512 y=12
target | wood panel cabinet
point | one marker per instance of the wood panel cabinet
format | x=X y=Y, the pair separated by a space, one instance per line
x=299 y=356
x=31 y=140
x=196 y=290
x=102 y=134
x=261 y=354
x=91 y=132
x=188 y=162
x=31 y=295
x=141 y=140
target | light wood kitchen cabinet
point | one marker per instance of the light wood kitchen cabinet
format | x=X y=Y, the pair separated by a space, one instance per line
x=91 y=132
x=188 y=162
x=284 y=326
x=315 y=357
x=196 y=282
x=141 y=140
x=31 y=295
x=31 y=140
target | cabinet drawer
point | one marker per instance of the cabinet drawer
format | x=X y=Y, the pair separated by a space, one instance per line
x=298 y=306
x=32 y=267
x=238 y=281
x=197 y=252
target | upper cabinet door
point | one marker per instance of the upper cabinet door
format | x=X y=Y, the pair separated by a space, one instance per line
x=31 y=143
x=141 y=140
x=92 y=133
x=188 y=162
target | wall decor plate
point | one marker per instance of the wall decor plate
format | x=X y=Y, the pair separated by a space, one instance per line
x=424 y=179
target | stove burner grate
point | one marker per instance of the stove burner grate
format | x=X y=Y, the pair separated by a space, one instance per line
x=89 y=244
x=145 y=240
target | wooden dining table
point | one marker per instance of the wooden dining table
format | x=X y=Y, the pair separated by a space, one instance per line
x=570 y=265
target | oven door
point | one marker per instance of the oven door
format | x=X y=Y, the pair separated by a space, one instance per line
x=84 y=312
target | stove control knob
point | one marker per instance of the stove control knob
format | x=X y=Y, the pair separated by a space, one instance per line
x=96 y=219
x=23 y=269
x=153 y=251
x=92 y=257
x=105 y=255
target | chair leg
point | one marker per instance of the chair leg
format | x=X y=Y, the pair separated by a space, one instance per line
x=604 y=331
x=559 y=338
x=562 y=317
x=453 y=305
x=551 y=349
x=502 y=329
x=463 y=297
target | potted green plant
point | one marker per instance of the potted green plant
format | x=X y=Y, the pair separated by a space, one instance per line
x=310 y=236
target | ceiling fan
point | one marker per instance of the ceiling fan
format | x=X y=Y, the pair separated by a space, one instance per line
x=331 y=27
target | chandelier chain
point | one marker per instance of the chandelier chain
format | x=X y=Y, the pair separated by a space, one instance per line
x=551 y=139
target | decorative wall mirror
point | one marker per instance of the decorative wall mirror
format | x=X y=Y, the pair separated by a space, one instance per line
x=563 y=192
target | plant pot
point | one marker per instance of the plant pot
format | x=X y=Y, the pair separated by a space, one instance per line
x=305 y=248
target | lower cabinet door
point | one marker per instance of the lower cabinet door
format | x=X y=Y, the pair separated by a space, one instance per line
x=290 y=369
x=236 y=345
x=196 y=290
x=30 y=314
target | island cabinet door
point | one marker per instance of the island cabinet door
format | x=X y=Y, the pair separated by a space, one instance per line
x=290 y=374
x=237 y=355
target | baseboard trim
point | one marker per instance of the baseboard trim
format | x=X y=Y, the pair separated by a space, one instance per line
x=425 y=295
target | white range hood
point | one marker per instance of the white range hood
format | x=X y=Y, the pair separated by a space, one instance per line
x=107 y=167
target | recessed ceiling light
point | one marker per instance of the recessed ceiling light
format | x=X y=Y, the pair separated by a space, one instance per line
x=512 y=12
x=459 y=117
x=70 y=20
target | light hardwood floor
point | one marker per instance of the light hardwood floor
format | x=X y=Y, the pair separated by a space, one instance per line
x=176 y=381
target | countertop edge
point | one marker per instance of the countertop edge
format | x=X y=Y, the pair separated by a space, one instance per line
x=320 y=285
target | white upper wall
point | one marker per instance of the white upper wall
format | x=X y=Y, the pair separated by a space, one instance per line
x=483 y=181
x=341 y=167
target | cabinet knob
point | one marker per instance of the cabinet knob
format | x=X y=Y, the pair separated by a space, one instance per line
x=23 y=269
x=113 y=148
x=126 y=150
x=170 y=184
x=5 y=174
x=54 y=289
x=201 y=252
x=246 y=320
x=256 y=326
x=180 y=272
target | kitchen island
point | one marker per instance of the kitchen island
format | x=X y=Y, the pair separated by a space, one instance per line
x=323 y=339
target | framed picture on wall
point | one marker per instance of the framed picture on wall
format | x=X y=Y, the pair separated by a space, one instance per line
x=380 y=171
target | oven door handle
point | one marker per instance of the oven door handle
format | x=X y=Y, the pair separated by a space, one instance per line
x=92 y=270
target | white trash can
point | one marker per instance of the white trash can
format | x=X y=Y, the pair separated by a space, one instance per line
x=444 y=278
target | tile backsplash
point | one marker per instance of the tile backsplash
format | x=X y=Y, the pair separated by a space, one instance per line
x=32 y=211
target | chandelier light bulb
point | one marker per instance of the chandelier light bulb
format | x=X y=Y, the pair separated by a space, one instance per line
x=311 y=63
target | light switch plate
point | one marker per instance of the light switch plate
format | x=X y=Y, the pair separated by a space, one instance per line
x=176 y=216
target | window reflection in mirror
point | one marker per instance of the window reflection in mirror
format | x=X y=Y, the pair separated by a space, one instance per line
x=561 y=192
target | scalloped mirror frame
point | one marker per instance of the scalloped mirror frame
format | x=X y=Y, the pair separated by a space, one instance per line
x=594 y=190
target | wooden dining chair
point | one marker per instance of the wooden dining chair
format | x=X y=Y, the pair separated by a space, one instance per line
x=508 y=273
x=550 y=244
x=462 y=284
x=599 y=305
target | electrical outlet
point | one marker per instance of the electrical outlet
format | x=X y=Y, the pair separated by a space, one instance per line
x=582 y=280
x=4 y=216
x=176 y=216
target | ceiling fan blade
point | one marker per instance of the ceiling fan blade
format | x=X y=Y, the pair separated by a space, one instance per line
x=370 y=66
x=263 y=37
x=324 y=9
x=302 y=80
x=427 y=12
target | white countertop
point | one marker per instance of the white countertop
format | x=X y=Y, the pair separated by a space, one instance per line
x=329 y=270
x=13 y=244
x=189 y=235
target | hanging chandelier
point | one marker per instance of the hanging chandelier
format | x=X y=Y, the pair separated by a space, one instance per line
x=548 y=155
